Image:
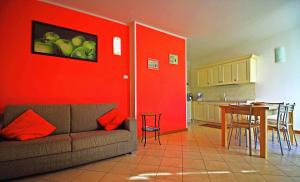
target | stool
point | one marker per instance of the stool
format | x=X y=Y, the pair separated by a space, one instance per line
x=151 y=128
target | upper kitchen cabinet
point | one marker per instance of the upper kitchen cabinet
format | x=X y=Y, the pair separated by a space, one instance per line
x=234 y=71
x=207 y=76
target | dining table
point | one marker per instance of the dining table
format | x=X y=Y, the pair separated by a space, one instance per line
x=260 y=111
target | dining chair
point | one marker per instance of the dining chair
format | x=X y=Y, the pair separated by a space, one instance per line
x=290 y=122
x=242 y=118
x=281 y=123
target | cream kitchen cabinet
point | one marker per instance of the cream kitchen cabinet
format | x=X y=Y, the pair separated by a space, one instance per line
x=235 y=71
x=225 y=74
x=202 y=77
x=208 y=76
x=208 y=111
x=205 y=111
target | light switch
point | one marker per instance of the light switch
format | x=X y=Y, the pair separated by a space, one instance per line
x=125 y=77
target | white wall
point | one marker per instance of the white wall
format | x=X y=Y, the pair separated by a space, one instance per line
x=276 y=82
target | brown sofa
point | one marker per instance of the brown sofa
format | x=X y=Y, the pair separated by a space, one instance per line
x=77 y=140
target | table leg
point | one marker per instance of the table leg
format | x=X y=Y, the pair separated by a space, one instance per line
x=291 y=128
x=224 y=128
x=263 y=135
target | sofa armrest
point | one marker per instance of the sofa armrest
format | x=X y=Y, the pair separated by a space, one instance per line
x=130 y=124
x=1 y=120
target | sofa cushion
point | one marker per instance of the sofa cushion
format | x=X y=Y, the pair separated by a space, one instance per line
x=57 y=115
x=84 y=140
x=28 y=126
x=106 y=118
x=84 y=116
x=13 y=150
x=116 y=122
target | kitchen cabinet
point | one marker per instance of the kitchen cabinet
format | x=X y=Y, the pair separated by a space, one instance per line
x=208 y=111
x=207 y=76
x=239 y=72
x=215 y=75
x=205 y=111
x=202 y=78
x=225 y=73
x=235 y=71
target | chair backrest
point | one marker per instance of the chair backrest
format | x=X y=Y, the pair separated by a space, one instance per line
x=291 y=107
x=282 y=113
x=240 y=112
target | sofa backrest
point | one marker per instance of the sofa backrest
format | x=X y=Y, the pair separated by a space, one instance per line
x=58 y=115
x=84 y=116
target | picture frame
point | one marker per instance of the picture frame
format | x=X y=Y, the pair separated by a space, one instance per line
x=153 y=64
x=173 y=59
x=63 y=42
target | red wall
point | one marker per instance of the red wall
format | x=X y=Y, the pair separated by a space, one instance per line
x=161 y=90
x=31 y=78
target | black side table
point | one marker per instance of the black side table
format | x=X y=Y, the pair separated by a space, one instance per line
x=151 y=128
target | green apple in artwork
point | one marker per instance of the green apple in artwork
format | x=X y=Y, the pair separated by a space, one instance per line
x=92 y=54
x=91 y=45
x=51 y=36
x=78 y=40
x=65 y=46
x=43 y=47
x=80 y=52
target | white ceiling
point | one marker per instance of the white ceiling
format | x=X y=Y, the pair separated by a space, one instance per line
x=209 y=25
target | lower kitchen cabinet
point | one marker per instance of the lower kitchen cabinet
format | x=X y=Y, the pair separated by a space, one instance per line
x=206 y=111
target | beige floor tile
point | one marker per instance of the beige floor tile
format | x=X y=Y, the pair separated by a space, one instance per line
x=101 y=166
x=64 y=175
x=173 y=153
x=171 y=162
x=32 y=179
x=191 y=175
x=297 y=179
x=211 y=156
x=241 y=167
x=193 y=163
x=270 y=178
x=110 y=177
x=216 y=166
x=221 y=177
x=145 y=169
x=89 y=176
x=123 y=168
x=249 y=177
x=151 y=160
x=131 y=160
x=169 y=173
x=233 y=158
x=192 y=155
x=269 y=170
x=290 y=170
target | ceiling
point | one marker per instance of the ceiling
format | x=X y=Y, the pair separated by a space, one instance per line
x=209 y=25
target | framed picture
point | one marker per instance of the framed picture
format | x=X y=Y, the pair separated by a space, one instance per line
x=153 y=64
x=173 y=59
x=63 y=42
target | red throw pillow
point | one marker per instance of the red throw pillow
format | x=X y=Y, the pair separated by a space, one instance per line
x=27 y=126
x=116 y=122
x=107 y=117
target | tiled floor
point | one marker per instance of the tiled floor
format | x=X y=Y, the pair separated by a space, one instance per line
x=195 y=155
